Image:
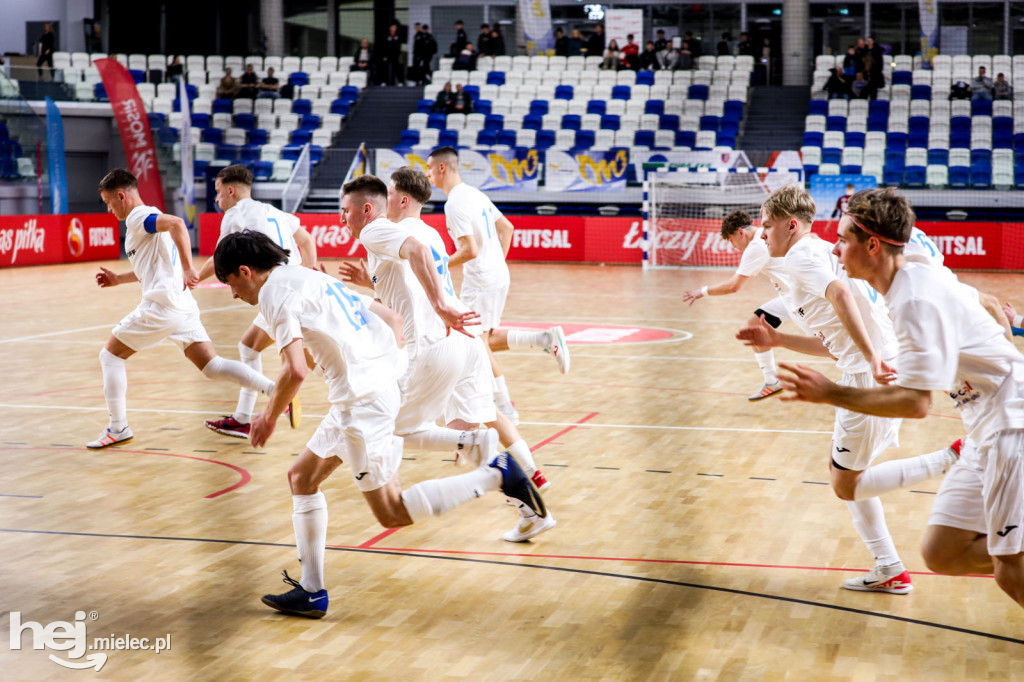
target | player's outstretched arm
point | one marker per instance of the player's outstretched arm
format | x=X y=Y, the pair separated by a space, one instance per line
x=839 y=295
x=803 y=383
x=206 y=270
x=730 y=286
x=762 y=335
x=166 y=222
x=391 y=318
x=108 y=278
x=354 y=272
x=307 y=247
x=293 y=373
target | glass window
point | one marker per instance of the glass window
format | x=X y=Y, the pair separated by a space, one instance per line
x=305 y=27
x=896 y=28
x=986 y=34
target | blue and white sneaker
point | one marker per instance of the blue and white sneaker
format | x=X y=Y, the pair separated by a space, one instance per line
x=297 y=601
x=517 y=485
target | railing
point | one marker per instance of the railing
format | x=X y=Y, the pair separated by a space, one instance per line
x=297 y=187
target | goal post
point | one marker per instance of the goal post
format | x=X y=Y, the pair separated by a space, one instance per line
x=683 y=211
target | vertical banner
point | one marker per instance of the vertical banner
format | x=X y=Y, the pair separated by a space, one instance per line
x=358 y=166
x=56 y=162
x=535 y=17
x=929 y=15
x=134 y=127
x=188 y=173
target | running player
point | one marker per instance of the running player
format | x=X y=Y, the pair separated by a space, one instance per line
x=160 y=255
x=353 y=340
x=448 y=374
x=738 y=230
x=482 y=237
x=241 y=212
x=846 y=320
x=947 y=343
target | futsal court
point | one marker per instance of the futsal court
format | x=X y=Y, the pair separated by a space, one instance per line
x=697 y=536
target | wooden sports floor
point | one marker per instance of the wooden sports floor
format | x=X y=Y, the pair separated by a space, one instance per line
x=697 y=538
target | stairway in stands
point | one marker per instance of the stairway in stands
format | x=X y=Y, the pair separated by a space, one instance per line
x=775 y=118
x=378 y=120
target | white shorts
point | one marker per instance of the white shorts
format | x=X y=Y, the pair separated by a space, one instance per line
x=984 y=492
x=857 y=439
x=488 y=303
x=364 y=436
x=150 y=323
x=454 y=370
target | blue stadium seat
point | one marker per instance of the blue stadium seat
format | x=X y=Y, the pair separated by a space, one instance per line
x=212 y=135
x=200 y=120
x=597 y=106
x=496 y=78
x=918 y=135
x=348 y=93
x=902 y=78
x=709 y=123
x=818 y=107
x=409 y=138
x=621 y=92
x=438 y=121
x=733 y=109
x=545 y=139
x=301 y=136
x=686 y=138
x=262 y=170
x=855 y=139
x=571 y=122
x=725 y=139
x=959 y=176
x=482 y=106
x=298 y=78
x=100 y=93
x=341 y=106
x=532 y=122
x=424 y=106
x=921 y=92
x=813 y=138
x=487 y=137
x=645 y=78
x=223 y=106
x=981 y=156
x=584 y=139
x=448 y=138
x=310 y=122
x=249 y=152
x=507 y=137
x=258 y=136
x=494 y=122
x=227 y=152
x=644 y=138
x=654 y=106
x=835 y=124
x=895 y=157
x=1002 y=132
x=668 y=122
x=302 y=107
x=878 y=123
x=697 y=92
x=291 y=152
x=981 y=174
x=896 y=141
x=960 y=132
x=473 y=91
x=156 y=121
x=316 y=153
x=245 y=121
x=1018 y=143
x=610 y=122
x=938 y=157
x=4 y=133
x=981 y=107
x=914 y=176
x=563 y=92
x=199 y=168
x=538 y=107
x=138 y=75
x=831 y=155
x=892 y=175
x=879 y=106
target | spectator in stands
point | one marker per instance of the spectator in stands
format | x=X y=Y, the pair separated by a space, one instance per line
x=837 y=86
x=649 y=58
x=561 y=43
x=661 y=44
x=456 y=48
x=861 y=51
x=423 y=50
x=595 y=43
x=630 y=54
x=876 y=52
x=723 y=48
x=445 y=100
x=47 y=44
x=1002 y=89
x=391 y=57
x=362 y=60
x=575 y=43
x=497 y=42
x=462 y=103
x=466 y=61
x=981 y=86
x=249 y=83
x=682 y=58
x=696 y=49
x=269 y=86
x=859 y=86
x=745 y=46
x=483 y=41
x=228 y=88
x=851 y=64
x=175 y=68
x=611 y=57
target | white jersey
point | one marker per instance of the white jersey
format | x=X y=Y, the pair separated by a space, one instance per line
x=356 y=348
x=248 y=214
x=155 y=261
x=921 y=249
x=947 y=342
x=809 y=268
x=468 y=211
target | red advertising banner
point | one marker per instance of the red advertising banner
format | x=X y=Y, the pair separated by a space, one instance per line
x=134 y=126
x=48 y=239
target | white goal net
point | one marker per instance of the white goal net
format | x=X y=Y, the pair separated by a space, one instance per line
x=683 y=212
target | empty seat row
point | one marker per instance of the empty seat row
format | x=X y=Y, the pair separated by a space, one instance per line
x=568 y=139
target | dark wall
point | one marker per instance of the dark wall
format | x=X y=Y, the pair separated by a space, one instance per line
x=185 y=26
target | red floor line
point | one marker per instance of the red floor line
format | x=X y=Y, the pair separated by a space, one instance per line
x=373 y=541
x=564 y=431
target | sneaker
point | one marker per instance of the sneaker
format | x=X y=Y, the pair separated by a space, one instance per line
x=509 y=410
x=558 y=348
x=516 y=484
x=294 y=412
x=767 y=391
x=877 y=581
x=539 y=480
x=297 y=601
x=110 y=438
x=229 y=426
x=529 y=528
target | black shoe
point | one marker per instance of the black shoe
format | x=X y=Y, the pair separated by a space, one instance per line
x=298 y=602
x=517 y=485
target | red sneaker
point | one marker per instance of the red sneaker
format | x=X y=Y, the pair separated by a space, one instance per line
x=229 y=427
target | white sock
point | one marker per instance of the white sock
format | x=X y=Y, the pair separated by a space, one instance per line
x=232 y=370
x=521 y=451
x=440 y=495
x=766 y=361
x=521 y=339
x=524 y=510
x=115 y=388
x=869 y=520
x=902 y=473
x=309 y=517
x=501 y=395
x=438 y=438
x=253 y=359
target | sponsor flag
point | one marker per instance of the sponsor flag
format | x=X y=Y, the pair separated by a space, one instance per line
x=56 y=162
x=590 y=171
x=358 y=166
x=133 y=124
x=188 y=179
x=535 y=16
x=929 y=15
